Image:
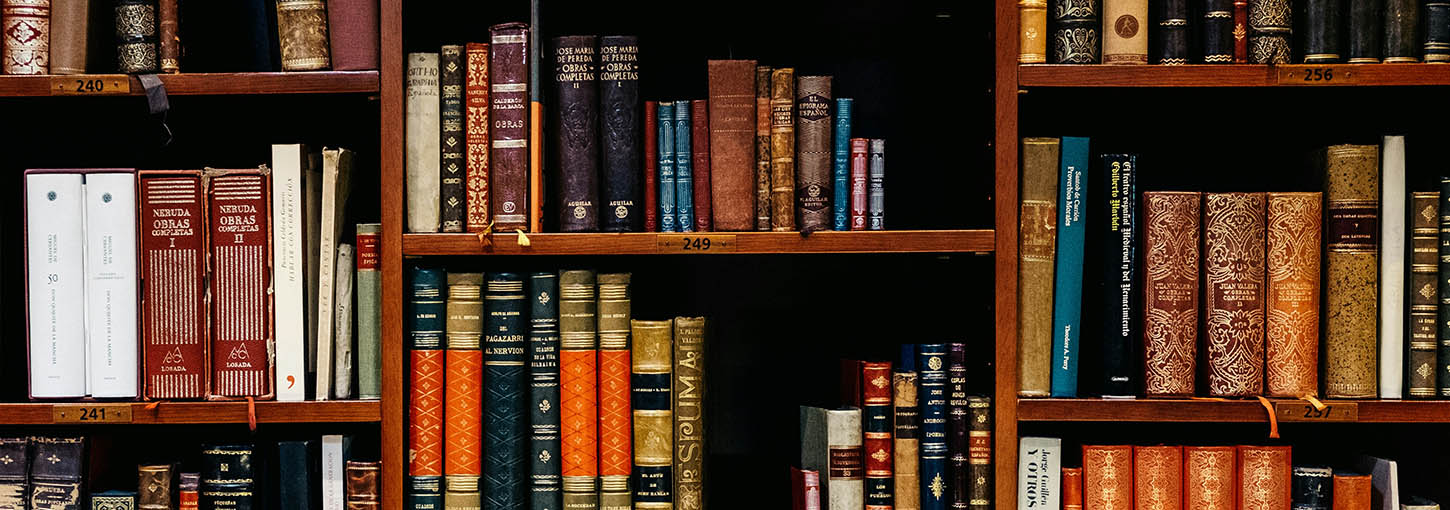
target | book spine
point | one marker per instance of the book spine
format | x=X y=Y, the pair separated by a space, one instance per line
x=1208 y=477
x=369 y=311
x=56 y=473
x=1437 y=31
x=1067 y=312
x=684 y=175
x=1241 y=31
x=173 y=267
x=576 y=85
x=187 y=496
x=1233 y=296
x=289 y=237
x=136 y=44
x=14 y=489
x=1071 y=492
x=957 y=424
x=1076 y=32
x=1123 y=41
x=422 y=130
x=1365 y=26
x=1157 y=477
x=1107 y=477
x=463 y=393
x=843 y=437
x=302 y=34
x=651 y=166
x=687 y=406
x=1402 y=37
x=154 y=484
x=782 y=149
x=228 y=479
x=1393 y=238
x=350 y=26
x=426 y=319
x=1032 y=16
x=652 y=360
x=111 y=287
x=1442 y=377
x=813 y=153
x=1422 y=365
x=1039 y=472
x=805 y=488
x=860 y=156
x=55 y=248
x=763 y=159
x=1352 y=491
x=362 y=490
x=70 y=28
x=1292 y=331
x=1218 y=25
x=1270 y=25
x=241 y=309
x=334 y=448
x=577 y=383
x=619 y=101
x=931 y=361
x=336 y=171
x=504 y=485
x=1120 y=267
x=815 y=456
x=475 y=94
x=700 y=164
x=906 y=431
x=453 y=191
x=615 y=451
x=1311 y=486
x=294 y=469
x=509 y=93
x=666 y=118
x=1037 y=256
x=876 y=427
x=1264 y=477
x=545 y=485
x=841 y=166
x=1173 y=29
x=1321 y=31
x=979 y=453
x=1170 y=292
x=535 y=131
x=1352 y=270
x=876 y=183
x=733 y=127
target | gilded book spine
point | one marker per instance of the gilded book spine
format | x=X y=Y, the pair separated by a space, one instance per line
x=577 y=391
x=463 y=394
x=26 y=29
x=426 y=316
x=876 y=418
x=136 y=48
x=1124 y=40
x=688 y=408
x=1120 y=276
x=302 y=32
x=1037 y=256
x=1270 y=26
x=1292 y=333
x=1158 y=478
x=876 y=187
x=957 y=424
x=1071 y=492
x=652 y=359
x=545 y=478
x=684 y=169
x=1170 y=292
x=1107 y=477
x=1241 y=31
x=782 y=150
x=1422 y=293
x=813 y=153
x=860 y=162
x=576 y=85
x=763 y=161
x=620 y=127
x=504 y=400
x=1437 y=31
x=666 y=136
x=1352 y=230
x=476 y=137
x=1442 y=377
x=841 y=166
x=1032 y=20
x=907 y=431
x=1076 y=36
x=651 y=167
x=453 y=191
x=979 y=453
x=1264 y=477
x=1311 y=487
x=1233 y=308
x=174 y=268
x=508 y=173
x=1218 y=37
x=1172 y=19
x=1208 y=477
x=932 y=386
x=14 y=474
x=615 y=450
x=241 y=330
x=1352 y=491
x=153 y=485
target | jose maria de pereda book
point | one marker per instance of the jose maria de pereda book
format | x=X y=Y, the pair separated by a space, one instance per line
x=620 y=127
x=576 y=85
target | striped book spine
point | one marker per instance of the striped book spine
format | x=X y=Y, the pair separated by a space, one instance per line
x=577 y=389
x=463 y=391
x=666 y=121
x=544 y=391
x=426 y=312
x=616 y=455
x=876 y=423
x=931 y=361
x=173 y=267
x=684 y=176
x=504 y=398
x=841 y=168
x=652 y=359
x=241 y=291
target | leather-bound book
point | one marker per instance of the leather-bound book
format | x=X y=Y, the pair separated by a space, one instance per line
x=1270 y=27
x=508 y=75
x=168 y=42
x=1170 y=292
x=688 y=407
x=1442 y=377
x=463 y=394
x=126 y=500
x=1067 y=289
x=876 y=420
x=228 y=477
x=876 y=187
x=1071 y=488
x=14 y=488
x=1233 y=296
x=425 y=321
x=1402 y=36
x=1172 y=19
x=56 y=467
x=841 y=166
x=1076 y=32
x=1413 y=502
x=619 y=122
x=762 y=148
x=931 y=361
x=1312 y=486
x=1322 y=31
x=1107 y=477
x=615 y=450
x=831 y=444
x=69 y=31
x=979 y=453
x=665 y=117
x=576 y=85
x=651 y=358
x=906 y=431
x=504 y=329
x=1120 y=276
x=153 y=486
x=302 y=34
x=173 y=254
x=1218 y=26
x=733 y=129
x=1437 y=31
x=805 y=489
x=136 y=37
x=187 y=495
x=1037 y=259
x=1241 y=31
x=651 y=167
x=813 y=153
x=1125 y=40
x=352 y=31
x=1364 y=27
x=475 y=137
x=851 y=382
x=860 y=176
x=1209 y=477
x=1422 y=294
x=422 y=134
x=362 y=489
x=1158 y=478
x=1264 y=477
x=684 y=168
x=1032 y=21
x=1292 y=332
x=299 y=474
x=1352 y=491
x=451 y=190
x=957 y=424
x=1352 y=271
x=26 y=27
x=545 y=485
x=700 y=163
x=241 y=298
x=782 y=149
x=578 y=395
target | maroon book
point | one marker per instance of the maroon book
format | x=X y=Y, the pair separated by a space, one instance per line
x=852 y=388
x=508 y=80
x=241 y=307
x=805 y=489
x=859 y=160
x=700 y=143
x=651 y=167
x=173 y=266
x=352 y=27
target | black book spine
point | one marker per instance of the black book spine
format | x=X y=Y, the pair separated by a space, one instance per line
x=424 y=493
x=55 y=473
x=13 y=488
x=452 y=196
x=505 y=394
x=136 y=48
x=1120 y=274
x=227 y=477
x=619 y=98
x=1437 y=31
x=1402 y=36
x=957 y=424
x=1422 y=295
x=576 y=121
x=1443 y=380
x=546 y=476
x=1173 y=32
x=1364 y=31
x=1321 y=31
x=1076 y=37
x=1270 y=28
x=1311 y=488
x=979 y=453
x=1218 y=31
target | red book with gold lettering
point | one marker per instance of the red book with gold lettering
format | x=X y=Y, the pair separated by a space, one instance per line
x=877 y=418
x=1264 y=477
x=1071 y=488
x=1158 y=477
x=1107 y=477
x=805 y=489
x=1209 y=477
x=173 y=265
x=239 y=208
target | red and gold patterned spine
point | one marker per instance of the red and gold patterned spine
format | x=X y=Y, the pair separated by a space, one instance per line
x=876 y=426
x=1209 y=477
x=1071 y=488
x=240 y=260
x=1233 y=308
x=476 y=136
x=1264 y=477
x=463 y=410
x=1158 y=477
x=425 y=441
x=25 y=25
x=1170 y=288
x=1107 y=477
x=173 y=265
x=1352 y=492
x=578 y=386
x=1292 y=340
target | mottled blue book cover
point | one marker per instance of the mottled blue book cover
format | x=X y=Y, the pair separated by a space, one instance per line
x=666 y=118
x=841 y=172
x=1067 y=292
x=684 y=178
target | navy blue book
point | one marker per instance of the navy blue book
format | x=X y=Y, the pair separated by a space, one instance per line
x=841 y=172
x=546 y=484
x=298 y=474
x=684 y=178
x=932 y=393
x=1120 y=271
x=426 y=316
x=957 y=423
x=666 y=118
x=1067 y=293
x=504 y=396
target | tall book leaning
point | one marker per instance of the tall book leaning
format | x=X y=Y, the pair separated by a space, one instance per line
x=1036 y=252
x=336 y=187
x=688 y=407
x=241 y=261
x=652 y=357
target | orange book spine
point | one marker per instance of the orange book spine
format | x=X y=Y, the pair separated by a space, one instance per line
x=577 y=385
x=536 y=168
x=616 y=455
x=426 y=433
x=1208 y=477
x=1071 y=488
x=1264 y=477
x=1158 y=477
x=1107 y=477
x=464 y=413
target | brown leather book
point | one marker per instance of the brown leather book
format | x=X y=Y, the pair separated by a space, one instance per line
x=733 y=131
x=69 y=25
x=1107 y=477
x=1424 y=292
x=362 y=489
x=762 y=148
x=475 y=136
x=25 y=26
x=1264 y=477
x=1032 y=22
x=1352 y=272
x=1352 y=491
x=700 y=163
x=1037 y=256
x=782 y=150
x=1158 y=477
x=352 y=31
x=1209 y=477
x=302 y=32
x=814 y=153
x=1233 y=297
x=169 y=43
x=508 y=61
x=1071 y=489
x=1170 y=293
x=153 y=487
x=1294 y=222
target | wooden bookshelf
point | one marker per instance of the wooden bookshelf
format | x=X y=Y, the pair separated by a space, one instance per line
x=1232 y=75
x=337 y=411
x=192 y=84
x=648 y=243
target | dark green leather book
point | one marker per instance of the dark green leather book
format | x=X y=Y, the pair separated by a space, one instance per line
x=504 y=328
x=297 y=474
x=545 y=484
x=227 y=478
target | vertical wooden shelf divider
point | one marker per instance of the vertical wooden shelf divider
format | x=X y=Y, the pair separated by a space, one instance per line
x=1005 y=196
x=393 y=453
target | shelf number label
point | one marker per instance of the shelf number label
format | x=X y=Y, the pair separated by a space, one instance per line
x=695 y=243
x=90 y=85
x=1301 y=411
x=1317 y=75
x=91 y=413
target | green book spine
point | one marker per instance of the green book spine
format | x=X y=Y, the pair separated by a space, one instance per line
x=369 y=306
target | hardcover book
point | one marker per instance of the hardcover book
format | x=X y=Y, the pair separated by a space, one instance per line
x=1442 y=377
x=476 y=137
x=452 y=189
x=1401 y=29
x=1158 y=477
x=545 y=487
x=831 y=443
x=153 y=486
x=1437 y=32
x=1270 y=27
x=1321 y=31
x=298 y=475
x=1032 y=22
x=906 y=431
x=56 y=473
x=1292 y=333
x=463 y=391
x=227 y=477
x=1123 y=40
x=113 y=500
x=1037 y=256
x=110 y=283
x=1392 y=268
x=652 y=358
x=350 y=28
x=1384 y=480
x=1107 y=477
x=55 y=281
x=1264 y=477
x=666 y=180
x=931 y=361
x=957 y=424
x=422 y=132
x=291 y=165
x=14 y=482
x=1352 y=491
x=615 y=450
x=841 y=166
x=876 y=187
x=187 y=493
x=620 y=123
x=1218 y=32
x=763 y=159
x=335 y=449
x=1170 y=292
x=860 y=156
x=504 y=484
x=1076 y=32
x=1311 y=487
x=651 y=167
x=805 y=489
x=425 y=320
x=1071 y=492
x=508 y=159
x=1233 y=307
x=876 y=426
x=813 y=153
x=1120 y=276
x=1365 y=28
x=1241 y=31
x=1172 y=19
x=1352 y=195
x=136 y=43
x=302 y=34
x=700 y=164
x=688 y=407
x=173 y=254
x=336 y=187
x=1209 y=477
x=979 y=453
x=1421 y=366
x=578 y=381
x=576 y=88
x=369 y=311
x=362 y=490
x=684 y=175
x=1067 y=291
x=1039 y=472
x=535 y=131
x=69 y=30
x=733 y=129
x=241 y=298
x=782 y=149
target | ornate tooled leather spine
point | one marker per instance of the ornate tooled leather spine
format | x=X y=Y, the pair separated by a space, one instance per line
x=860 y=176
x=841 y=167
x=1173 y=32
x=1071 y=488
x=361 y=486
x=1241 y=31
x=1032 y=36
x=876 y=417
x=545 y=485
x=426 y=315
x=503 y=401
x=1218 y=31
x=69 y=30
x=700 y=163
x=615 y=451
x=906 y=439
x=475 y=137
x=1209 y=477
x=1352 y=491
x=1158 y=477
x=1442 y=377
x=1037 y=259
x=578 y=395
x=1233 y=307
x=957 y=424
x=651 y=357
x=1423 y=293
x=227 y=477
x=1264 y=476
x=669 y=220
x=302 y=32
x=1352 y=271
x=508 y=71
x=782 y=150
x=1292 y=332
x=452 y=190
x=576 y=82
x=1311 y=487
x=733 y=129
x=173 y=320
x=1075 y=37
x=114 y=500
x=1120 y=276
x=651 y=167
x=1124 y=39
x=169 y=43
x=762 y=148
x=56 y=473
x=805 y=489
x=1437 y=31
x=1402 y=36
x=931 y=361
x=876 y=187
x=687 y=406
x=153 y=486
x=979 y=453
x=1270 y=27
x=1365 y=24
x=1107 y=477
x=463 y=396
x=813 y=153
x=136 y=48
x=241 y=262
x=620 y=123
x=1170 y=292
x=25 y=25
x=684 y=174
x=14 y=490
x=1321 y=31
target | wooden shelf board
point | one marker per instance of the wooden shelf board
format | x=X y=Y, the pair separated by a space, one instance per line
x=1213 y=411
x=1226 y=75
x=888 y=241
x=317 y=82
x=334 y=411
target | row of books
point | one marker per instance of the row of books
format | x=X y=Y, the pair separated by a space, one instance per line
x=551 y=360
x=1123 y=477
x=45 y=473
x=920 y=440
x=1235 y=277
x=52 y=36
x=189 y=284
x=785 y=161
x=1234 y=31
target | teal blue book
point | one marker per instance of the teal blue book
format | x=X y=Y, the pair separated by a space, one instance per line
x=666 y=117
x=841 y=172
x=684 y=178
x=1067 y=292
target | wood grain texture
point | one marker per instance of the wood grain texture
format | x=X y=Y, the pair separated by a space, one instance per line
x=332 y=411
x=1235 y=75
x=1005 y=196
x=880 y=241
x=1210 y=411
x=390 y=166
x=203 y=84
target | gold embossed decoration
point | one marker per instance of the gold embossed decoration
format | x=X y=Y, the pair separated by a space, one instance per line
x=1170 y=329
x=1208 y=478
x=1157 y=477
x=136 y=50
x=1107 y=477
x=1233 y=259
x=25 y=26
x=302 y=30
x=1292 y=337
x=1265 y=477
